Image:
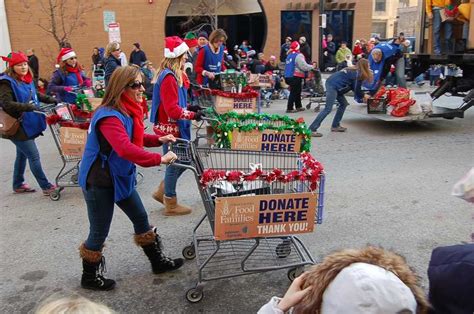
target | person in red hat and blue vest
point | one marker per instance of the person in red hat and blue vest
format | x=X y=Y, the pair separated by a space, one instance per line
x=107 y=175
x=210 y=59
x=18 y=98
x=68 y=77
x=295 y=70
x=171 y=115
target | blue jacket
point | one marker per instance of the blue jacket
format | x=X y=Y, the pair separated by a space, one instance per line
x=183 y=125
x=111 y=63
x=61 y=80
x=345 y=80
x=122 y=171
x=451 y=276
x=212 y=61
x=32 y=123
x=390 y=51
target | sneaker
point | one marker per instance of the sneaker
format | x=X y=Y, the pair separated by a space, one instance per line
x=339 y=129
x=52 y=189
x=300 y=109
x=316 y=134
x=290 y=111
x=24 y=188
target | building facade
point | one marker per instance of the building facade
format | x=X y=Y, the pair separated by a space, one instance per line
x=385 y=13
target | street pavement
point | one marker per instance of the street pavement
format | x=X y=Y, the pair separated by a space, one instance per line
x=388 y=184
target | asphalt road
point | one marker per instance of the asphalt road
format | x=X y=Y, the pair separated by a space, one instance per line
x=388 y=184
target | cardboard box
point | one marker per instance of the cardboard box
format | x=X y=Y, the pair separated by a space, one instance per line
x=242 y=217
x=260 y=80
x=95 y=102
x=73 y=141
x=267 y=140
x=239 y=105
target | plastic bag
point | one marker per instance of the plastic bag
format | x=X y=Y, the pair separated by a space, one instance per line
x=464 y=188
x=426 y=103
x=398 y=95
x=415 y=109
x=401 y=110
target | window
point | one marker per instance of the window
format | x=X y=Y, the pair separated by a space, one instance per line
x=380 y=5
x=380 y=29
x=404 y=3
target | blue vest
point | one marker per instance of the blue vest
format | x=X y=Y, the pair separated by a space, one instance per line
x=123 y=172
x=183 y=125
x=69 y=79
x=212 y=61
x=290 y=65
x=388 y=51
x=33 y=123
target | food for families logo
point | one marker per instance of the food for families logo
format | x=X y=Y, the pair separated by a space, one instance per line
x=237 y=213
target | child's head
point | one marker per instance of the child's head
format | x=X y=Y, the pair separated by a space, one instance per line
x=43 y=83
x=73 y=305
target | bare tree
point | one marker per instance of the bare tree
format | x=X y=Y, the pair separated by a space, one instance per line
x=205 y=13
x=58 y=18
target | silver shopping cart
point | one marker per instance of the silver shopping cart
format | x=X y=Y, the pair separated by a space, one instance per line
x=202 y=96
x=219 y=259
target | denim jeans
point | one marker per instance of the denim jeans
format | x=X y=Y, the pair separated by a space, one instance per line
x=448 y=31
x=331 y=96
x=28 y=150
x=171 y=176
x=100 y=210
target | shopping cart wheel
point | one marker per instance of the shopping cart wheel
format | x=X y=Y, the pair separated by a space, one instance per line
x=74 y=178
x=293 y=273
x=194 y=295
x=55 y=196
x=283 y=249
x=317 y=108
x=189 y=252
x=308 y=106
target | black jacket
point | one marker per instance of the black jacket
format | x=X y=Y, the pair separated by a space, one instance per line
x=111 y=63
x=34 y=65
x=137 y=57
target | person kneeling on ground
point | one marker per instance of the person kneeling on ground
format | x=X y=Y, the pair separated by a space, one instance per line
x=107 y=175
x=369 y=280
x=337 y=85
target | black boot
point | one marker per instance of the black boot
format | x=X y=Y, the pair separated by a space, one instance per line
x=153 y=248
x=93 y=268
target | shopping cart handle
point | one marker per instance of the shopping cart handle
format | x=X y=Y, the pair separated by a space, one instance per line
x=209 y=119
x=198 y=86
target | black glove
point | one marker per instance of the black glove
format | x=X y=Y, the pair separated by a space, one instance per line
x=199 y=115
x=194 y=108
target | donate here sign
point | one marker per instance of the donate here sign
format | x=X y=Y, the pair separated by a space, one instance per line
x=257 y=216
x=266 y=140
x=239 y=105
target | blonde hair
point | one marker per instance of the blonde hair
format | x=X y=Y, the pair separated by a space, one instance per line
x=111 y=47
x=73 y=305
x=119 y=81
x=173 y=64
x=11 y=73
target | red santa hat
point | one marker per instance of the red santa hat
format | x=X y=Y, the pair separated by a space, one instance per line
x=295 y=46
x=174 y=47
x=15 y=58
x=64 y=54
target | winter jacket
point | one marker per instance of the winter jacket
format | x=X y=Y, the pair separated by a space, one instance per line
x=342 y=53
x=451 y=276
x=284 y=51
x=34 y=65
x=306 y=51
x=111 y=63
x=61 y=79
x=345 y=80
x=137 y=57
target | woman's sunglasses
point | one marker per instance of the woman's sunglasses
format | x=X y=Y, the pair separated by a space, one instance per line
x=136 y=85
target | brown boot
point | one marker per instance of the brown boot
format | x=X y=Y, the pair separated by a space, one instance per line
x=159 y=193
x=172 y=208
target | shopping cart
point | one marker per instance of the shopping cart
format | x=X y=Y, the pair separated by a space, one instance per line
x=202 y=96
x=218 y=259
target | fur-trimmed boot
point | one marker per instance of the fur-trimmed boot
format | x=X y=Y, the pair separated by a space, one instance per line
x=172 y=208
x=152 y=246
x=159 y=193
x=93 y=268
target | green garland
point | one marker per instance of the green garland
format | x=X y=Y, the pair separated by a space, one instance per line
x=82 y=103
x=223 y=128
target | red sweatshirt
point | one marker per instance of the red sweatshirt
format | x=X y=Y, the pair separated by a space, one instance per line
x=199 y=67
x=115 y=133
x=169 y=110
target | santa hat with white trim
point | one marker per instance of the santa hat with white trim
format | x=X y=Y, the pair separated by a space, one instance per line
x=174 y=47
x=64 y=54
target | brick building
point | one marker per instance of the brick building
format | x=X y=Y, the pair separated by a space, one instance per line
x=144 y=21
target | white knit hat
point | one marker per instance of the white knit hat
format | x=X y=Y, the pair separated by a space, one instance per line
x=367 y=289
x=174 y=47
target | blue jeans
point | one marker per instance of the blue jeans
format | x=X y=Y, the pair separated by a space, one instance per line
x=331 y=96
x=171 y=176
x=28 y=150
x=100 y=210
x=448 y=31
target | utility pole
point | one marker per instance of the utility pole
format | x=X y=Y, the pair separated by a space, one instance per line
x=322 y=26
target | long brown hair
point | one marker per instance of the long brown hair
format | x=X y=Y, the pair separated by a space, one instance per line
x=173 y=64
x=120 y=79
x=11 y=73
x=365 y=74
x=63 y=66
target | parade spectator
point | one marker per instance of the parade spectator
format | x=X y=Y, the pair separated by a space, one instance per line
x=137 y=56
x=284 y=49
x=112 y=59
x=324 y=43
x=245 y=46
x=435 y=73
x=342 y=52
x=97 y=60
x=18 y=98
x=391 y=79
x=33 y=62
x=337 y=85
x=70 y=77
x=305 y=49
x=271 y=65
x=210 y=59
x=357 y=51
x=192 y=42
x=433 y=11
x=171 y=115
x=107 y=175
x=257 y=65
x=123 y=58
x=295 y=70
x=43 y=86
x=149 y=73
x=365 y=48
x=370 y=45
x=329 y=54
x=356 y=281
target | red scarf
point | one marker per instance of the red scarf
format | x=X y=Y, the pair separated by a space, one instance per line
x=77 y=71
x=28 y=78
x=135 y=110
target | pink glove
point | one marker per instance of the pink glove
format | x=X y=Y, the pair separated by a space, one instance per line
x=87 y=83
x=68 y=89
